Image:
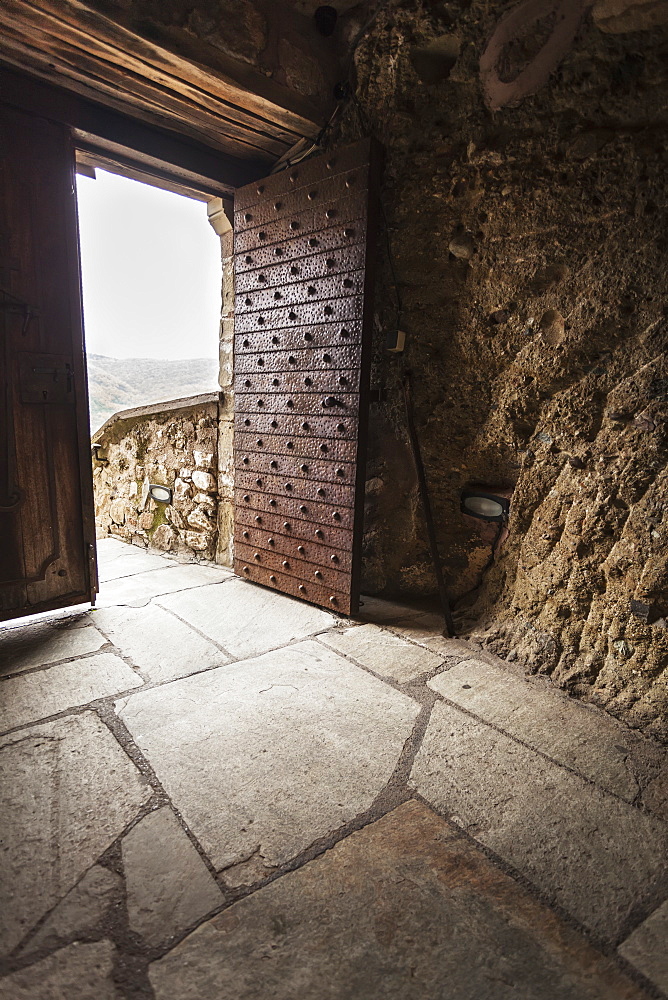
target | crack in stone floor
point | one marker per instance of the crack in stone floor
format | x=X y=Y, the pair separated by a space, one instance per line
x=220 y=792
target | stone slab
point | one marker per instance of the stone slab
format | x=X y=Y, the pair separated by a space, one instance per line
x=83 y=971
x=42 y=643
x=383 y=652
x=263 y=757
x=406 y=909
x=647 y=948
x=137 y=591
x=427 y=631
x=159 y=644
x=582 y=738
x=110 y=548
x=655 y=795
x=129 y=563
x=246 y=619
x=375 y=609
x=69 y=618
x=169 y=888
x=30 y=697
x=599 y=858
x=81 y=911
x=67 y=791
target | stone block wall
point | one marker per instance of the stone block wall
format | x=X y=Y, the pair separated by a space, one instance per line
x=172 y=444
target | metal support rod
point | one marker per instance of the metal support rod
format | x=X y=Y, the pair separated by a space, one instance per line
x=426 y=506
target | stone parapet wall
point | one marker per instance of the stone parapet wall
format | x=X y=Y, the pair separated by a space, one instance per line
x=173 y=444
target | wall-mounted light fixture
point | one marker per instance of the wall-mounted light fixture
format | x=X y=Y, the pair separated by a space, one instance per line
x=99 y=453
x=486 y=506
x=161 y=494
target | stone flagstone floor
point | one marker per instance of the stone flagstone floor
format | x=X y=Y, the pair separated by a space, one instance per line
x=214 y=792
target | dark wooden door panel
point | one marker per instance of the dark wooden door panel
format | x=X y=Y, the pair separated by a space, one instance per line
x=303 y=243
x=318 y=528
x=46 y=512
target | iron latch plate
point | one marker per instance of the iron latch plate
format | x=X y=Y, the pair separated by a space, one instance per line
x=46 y=378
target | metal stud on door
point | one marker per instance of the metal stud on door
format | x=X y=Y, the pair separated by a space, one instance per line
x=303 y=252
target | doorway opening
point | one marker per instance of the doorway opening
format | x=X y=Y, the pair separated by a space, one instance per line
x=152 y=283
x=151 y=277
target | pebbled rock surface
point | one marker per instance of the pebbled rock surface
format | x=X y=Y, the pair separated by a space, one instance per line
x=529 y=249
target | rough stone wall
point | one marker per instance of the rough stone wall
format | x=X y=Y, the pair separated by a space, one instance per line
x=174 y=446
x=530 y=251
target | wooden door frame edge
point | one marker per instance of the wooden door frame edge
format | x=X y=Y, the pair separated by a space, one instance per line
x=133 y=143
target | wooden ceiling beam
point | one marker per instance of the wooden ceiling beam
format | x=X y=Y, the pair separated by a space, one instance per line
x=228 y=104
x=152 y=151
x=164 y=108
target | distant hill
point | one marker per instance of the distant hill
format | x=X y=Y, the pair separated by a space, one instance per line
x=120 y=383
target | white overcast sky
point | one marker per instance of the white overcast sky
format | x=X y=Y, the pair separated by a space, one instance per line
x=151 y=271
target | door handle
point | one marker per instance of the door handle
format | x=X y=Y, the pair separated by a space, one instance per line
x=66 y=371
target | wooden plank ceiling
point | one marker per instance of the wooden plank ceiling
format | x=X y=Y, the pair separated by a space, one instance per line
x=234 y=108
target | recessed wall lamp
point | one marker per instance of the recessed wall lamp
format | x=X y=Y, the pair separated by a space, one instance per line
x=486 y=506
x=161 y=494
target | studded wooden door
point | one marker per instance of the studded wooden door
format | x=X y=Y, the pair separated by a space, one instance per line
x=303 y=246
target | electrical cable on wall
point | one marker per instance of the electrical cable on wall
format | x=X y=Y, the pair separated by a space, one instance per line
x=343 y=92
x=503 y=525
x=408 y=401
x=295 y=155
x=426 y=506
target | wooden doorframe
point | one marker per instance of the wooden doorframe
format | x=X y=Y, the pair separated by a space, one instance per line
x=151 y=151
